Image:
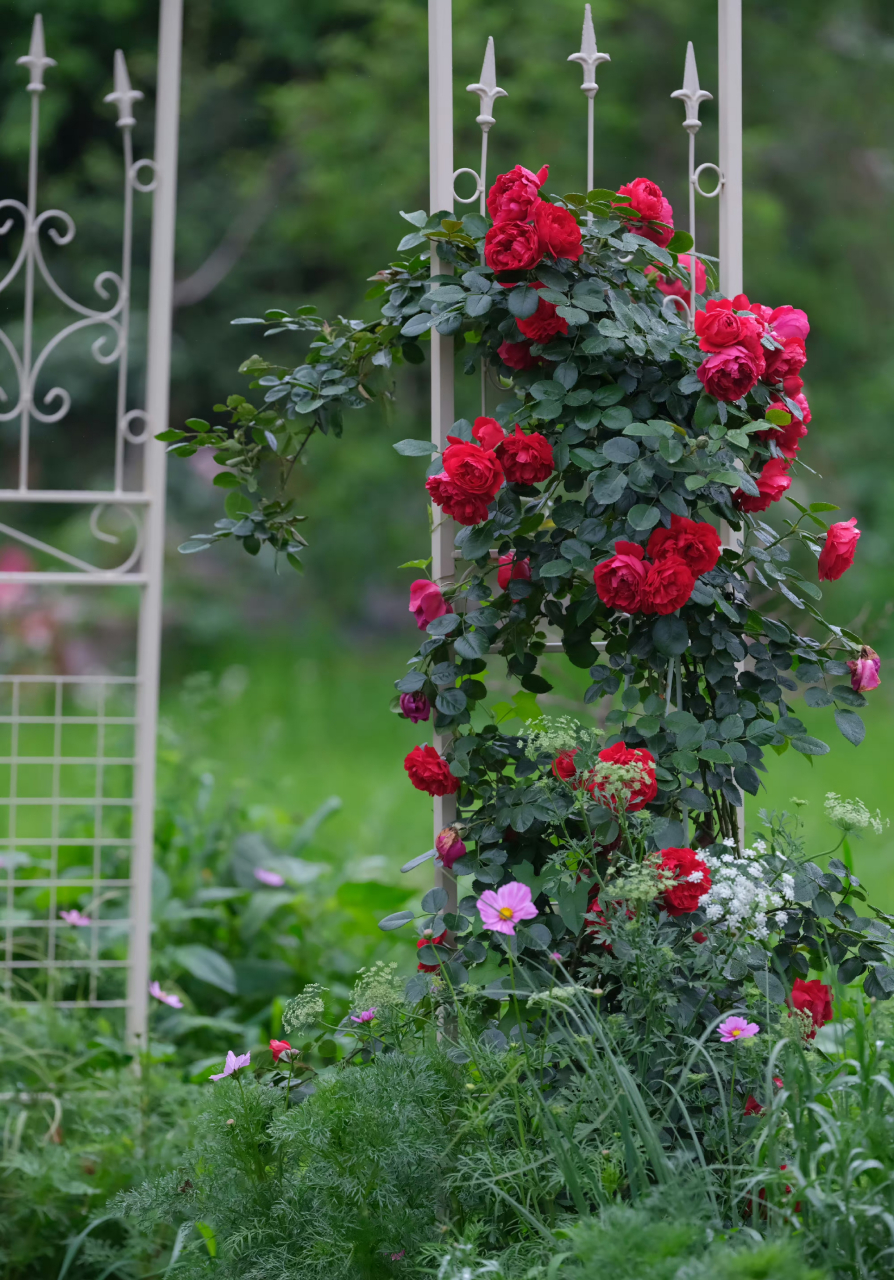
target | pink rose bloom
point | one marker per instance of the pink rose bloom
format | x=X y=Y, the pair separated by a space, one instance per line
x=648 y=200
x=166 y=997
x=865 y=670
x=415 y=706
x=731 y=373
x=837 y=555
x=426 y=602
x=449 y=847
x=503 y=909
x=789 y=322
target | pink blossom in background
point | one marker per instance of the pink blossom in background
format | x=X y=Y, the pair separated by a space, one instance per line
x=13 y=560
x=737 y=1029
x=233 y=1064
x=503 y=908
x=555 y=955
x=166 y=997
x=366 y=1016
x=271 y=878
x=74 y=917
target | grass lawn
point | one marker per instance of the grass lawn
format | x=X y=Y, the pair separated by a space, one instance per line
x=313 y=721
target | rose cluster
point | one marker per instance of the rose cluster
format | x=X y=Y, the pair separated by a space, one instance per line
x=624 y=778
x=679 y=555
x=527 y=228
x=475 y=471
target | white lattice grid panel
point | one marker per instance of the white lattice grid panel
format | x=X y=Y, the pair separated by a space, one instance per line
x=67 y=757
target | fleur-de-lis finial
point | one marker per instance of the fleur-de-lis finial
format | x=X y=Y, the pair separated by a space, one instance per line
x=589 y=56
x=487 y=88
x=691 y=94
x=124 y=96
x=36 y=59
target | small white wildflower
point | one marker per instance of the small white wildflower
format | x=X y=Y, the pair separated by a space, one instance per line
x=852 y=815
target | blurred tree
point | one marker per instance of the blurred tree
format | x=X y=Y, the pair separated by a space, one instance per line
x=304 y=129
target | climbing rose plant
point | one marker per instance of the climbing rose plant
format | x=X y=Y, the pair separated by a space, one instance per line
x=589 y=509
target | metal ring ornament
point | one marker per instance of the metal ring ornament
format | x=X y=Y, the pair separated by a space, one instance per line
x=124 y=426
x=145 y=187
x=479 y=186
x=674 y=307
x=709 y=195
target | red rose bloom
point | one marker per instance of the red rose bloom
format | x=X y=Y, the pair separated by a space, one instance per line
x=473 y=469
x=647 y=199
x=558 y=231
x=786 y=361
x=787 y=438
x=814 y=998
x=526 y=459
x=668 y=585
x=278 y=1048
x=563 y=766
x=544 y=324
x=430 y=772
x=837 y=555
x=426 y=602
x=683 y=896
x=512 y=246
x=694 y=541
x=718 y=326
x=597 y=923
x=731 y=373
x=676 y=288
x=801 y=401
x=463 y=507
x=517 y=355
x=646 y=789
x=752 y=1106
x=515 y=194
x=772 y=483
x=424 y=942
x=488 y=432
x=510 y=569
x=619 y=580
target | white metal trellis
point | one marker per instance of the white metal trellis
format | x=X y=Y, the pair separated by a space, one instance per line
x=77 y=753
x=728 y=171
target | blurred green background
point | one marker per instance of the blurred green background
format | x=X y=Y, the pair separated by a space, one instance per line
x=304 y=130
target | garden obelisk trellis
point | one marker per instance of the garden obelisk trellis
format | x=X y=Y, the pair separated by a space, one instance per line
x=78 y=963
x=442 y=195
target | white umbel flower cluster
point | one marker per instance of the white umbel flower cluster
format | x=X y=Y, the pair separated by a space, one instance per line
x=740 y=899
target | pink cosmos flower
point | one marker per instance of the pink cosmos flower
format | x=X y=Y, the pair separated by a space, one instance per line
x=502 y=909
x=737 y=1029
x=366 y=1016
x=271 y=878
x=166 y=997
x=232 y=1064
x=74 y=917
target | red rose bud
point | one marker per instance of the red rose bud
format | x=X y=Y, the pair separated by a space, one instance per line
x=280 y=1047
x=424 y=942
x=646 y=789
x=449 y=847
x=426 y=602
x=772 y=484
x=511 y=569
x=784 y=362
x=698 y=936
x=731 y=373
x=526 y=459
x=648 y=200
x=544 y=324
x=692 y=880
x=563 y=766
x=695 y=542
x=865 y=670
x=558 y=231
x=463 y=507
x=488 y=432
x=667 y=585
x=517 y=355
x=512 y=246
x=515 y=194
x=473 y=469
x=677 y=288
x=814 y=998
x=619 y=580
x=837 y=555
x=430 y=772
x=415 y=706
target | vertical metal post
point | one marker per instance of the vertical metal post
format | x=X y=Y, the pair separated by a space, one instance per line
x=729 y=59
x=158 y=367
x=440 y=124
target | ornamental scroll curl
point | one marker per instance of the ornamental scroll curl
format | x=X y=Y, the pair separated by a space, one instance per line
x=110 y=347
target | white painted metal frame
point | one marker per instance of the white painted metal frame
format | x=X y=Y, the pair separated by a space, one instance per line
x=442 y=196
x=117 y=936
